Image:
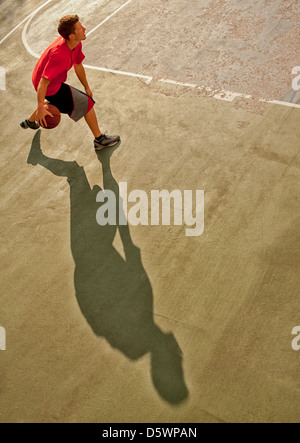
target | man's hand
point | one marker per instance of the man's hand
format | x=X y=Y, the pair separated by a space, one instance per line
x=89 y=92
x=41 y=115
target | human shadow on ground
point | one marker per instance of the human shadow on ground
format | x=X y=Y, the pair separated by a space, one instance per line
x=114 y=295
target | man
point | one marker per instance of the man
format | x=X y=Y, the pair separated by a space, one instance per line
x=50 y=74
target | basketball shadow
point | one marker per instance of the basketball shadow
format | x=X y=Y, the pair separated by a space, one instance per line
x=114 y=295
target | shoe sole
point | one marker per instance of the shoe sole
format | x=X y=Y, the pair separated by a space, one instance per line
x=106 y=146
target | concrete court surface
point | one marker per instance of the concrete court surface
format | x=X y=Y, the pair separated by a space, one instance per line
x=144 y=324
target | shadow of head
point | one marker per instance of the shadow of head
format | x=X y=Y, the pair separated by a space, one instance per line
x=166 y=370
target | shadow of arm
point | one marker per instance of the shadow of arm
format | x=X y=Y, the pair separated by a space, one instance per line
x=60 y=168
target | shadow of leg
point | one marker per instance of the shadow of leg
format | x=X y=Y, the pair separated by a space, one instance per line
x=35 y=151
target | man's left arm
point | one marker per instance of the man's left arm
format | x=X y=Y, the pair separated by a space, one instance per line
x=80 y=72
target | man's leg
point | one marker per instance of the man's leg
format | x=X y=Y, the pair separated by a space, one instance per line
x=92 y=121
x=101 y=140
x=32 y=117
x=31 y=122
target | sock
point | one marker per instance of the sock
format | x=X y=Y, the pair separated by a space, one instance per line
x=30 y=123
x=99 y=138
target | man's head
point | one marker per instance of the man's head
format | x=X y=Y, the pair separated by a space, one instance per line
x=70 y=28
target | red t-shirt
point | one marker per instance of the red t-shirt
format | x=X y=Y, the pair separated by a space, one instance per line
x=55 y=63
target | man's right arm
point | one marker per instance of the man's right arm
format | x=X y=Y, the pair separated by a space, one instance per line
x=41 y=94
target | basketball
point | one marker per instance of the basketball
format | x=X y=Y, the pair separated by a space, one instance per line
x=54 y=121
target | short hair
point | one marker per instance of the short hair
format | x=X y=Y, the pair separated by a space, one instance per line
x=66 y=25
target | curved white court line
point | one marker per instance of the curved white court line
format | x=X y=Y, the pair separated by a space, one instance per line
x=23 y=21
x=24 y=32
x=34 y=54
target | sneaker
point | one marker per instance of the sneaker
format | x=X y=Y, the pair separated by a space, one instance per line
x=105 y=140
x=27 y=124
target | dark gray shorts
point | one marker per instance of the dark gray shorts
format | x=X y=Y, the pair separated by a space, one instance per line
x=71 y=101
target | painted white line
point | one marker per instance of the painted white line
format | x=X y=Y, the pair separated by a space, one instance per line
x=229 y=96
x=278 y=102
x=219 y=94
x=34 y=54
x=172 y=82
x=108 y=18
x=112 y=71
x=23 y=21
x=24 y=39
x=222 y=94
